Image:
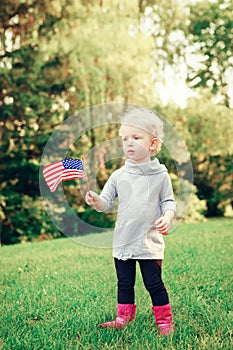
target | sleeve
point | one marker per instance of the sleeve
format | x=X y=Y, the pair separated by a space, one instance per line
x=109 y=192
x=167 y=200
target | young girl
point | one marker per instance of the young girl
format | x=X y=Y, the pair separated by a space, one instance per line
x=145 y=211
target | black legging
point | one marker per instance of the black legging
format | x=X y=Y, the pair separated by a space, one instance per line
x=151 y=274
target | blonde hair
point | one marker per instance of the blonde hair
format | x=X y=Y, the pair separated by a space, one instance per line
x=146 y=120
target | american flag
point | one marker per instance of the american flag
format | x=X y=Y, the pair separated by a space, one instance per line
x=66 y=169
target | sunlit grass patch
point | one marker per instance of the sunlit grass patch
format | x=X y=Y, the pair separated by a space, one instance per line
x=55 y=294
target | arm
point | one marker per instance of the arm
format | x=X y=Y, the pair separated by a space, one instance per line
x=168 y=207
x=105 y=200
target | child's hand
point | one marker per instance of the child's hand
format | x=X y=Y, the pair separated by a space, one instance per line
x=164 y=222
x=91 y=198
x=162 y=225
x=94 y=200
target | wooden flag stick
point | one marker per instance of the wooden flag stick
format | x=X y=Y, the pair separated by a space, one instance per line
x=88 y=187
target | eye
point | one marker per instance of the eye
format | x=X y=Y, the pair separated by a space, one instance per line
x=137 y=137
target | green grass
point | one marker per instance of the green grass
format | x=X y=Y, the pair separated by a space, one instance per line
x=55 y=293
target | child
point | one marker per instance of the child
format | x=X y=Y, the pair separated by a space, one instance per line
x=145 y=211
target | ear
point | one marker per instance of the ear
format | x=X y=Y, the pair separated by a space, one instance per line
x=154 y=145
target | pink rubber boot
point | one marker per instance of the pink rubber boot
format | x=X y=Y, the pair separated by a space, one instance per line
x=163 y=318
x=125 y=314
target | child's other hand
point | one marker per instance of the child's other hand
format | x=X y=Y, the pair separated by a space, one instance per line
x=162 y=225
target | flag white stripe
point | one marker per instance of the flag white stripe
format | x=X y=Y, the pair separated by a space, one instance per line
x=54 y=173
x=51 y=166
x=67 y=172
x=65 y=176
x=60 y=179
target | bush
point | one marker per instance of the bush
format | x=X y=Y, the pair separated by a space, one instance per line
x=189 y=207
x=25 y=220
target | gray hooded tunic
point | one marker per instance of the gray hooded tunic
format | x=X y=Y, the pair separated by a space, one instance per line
x=144 y=192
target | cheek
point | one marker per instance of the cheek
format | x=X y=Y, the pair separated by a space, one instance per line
x=143 y=147
x=124 y=146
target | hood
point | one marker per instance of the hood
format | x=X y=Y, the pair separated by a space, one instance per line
x=149 y=168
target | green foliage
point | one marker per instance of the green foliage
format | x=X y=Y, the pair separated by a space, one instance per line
x=55 y=294
x=28 y=92
x=211 y=32
x=207 y=130
x=190 y=209
x=26 y=220
x=195 y=39
x=61 y=56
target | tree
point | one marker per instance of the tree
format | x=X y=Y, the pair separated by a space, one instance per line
x=210 y=34
x=29 y=90
x=207 y=130
x=56 y=58
x=196 y=40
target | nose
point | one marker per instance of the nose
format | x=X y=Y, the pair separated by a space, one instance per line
x=130 y=142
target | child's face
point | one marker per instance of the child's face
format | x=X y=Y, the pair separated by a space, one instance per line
x=137 y=143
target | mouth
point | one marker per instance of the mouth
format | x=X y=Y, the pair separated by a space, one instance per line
x=130 y=151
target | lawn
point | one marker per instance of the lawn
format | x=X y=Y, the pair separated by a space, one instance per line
x=55 y=293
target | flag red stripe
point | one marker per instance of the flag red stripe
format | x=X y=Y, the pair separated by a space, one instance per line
x=54 y=170
x=64 y=176
x=67 y=172
x=51 y=166
x=54 y=175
